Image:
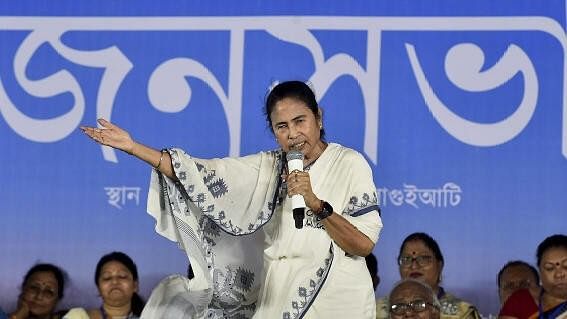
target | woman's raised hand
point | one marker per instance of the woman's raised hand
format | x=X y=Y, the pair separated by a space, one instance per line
x=110 y=135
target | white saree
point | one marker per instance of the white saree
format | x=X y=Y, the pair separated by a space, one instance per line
x=249 y=260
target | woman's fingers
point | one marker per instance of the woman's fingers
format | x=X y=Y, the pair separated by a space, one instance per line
x=97 y=134
x=88 y=130
x=298 y=183
x=106 y=124
x=110 y=135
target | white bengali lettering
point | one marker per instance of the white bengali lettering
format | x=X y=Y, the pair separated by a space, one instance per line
x=119 y=196
x=464 y=64
x=449 y=195
x=469 y=76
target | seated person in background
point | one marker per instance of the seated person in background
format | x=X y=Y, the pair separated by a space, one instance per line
x=420 y=258
x=3 y=315
x=372 y=265
x=516 y=275
x=116 y=278
x=41 y=290
x=552 y=301
x=415 y=299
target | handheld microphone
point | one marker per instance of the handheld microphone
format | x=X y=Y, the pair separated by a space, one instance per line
x=295 y=162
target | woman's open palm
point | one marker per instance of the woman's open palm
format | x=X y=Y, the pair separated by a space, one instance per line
x=110 y=135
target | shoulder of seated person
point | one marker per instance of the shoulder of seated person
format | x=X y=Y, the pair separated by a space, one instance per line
x=94 y=313
x=453 y=299
x=83 y=313
x=75 y=313
x=382 y=308
x=453 y=306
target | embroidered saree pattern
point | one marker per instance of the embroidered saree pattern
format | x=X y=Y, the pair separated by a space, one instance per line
x=214 y=213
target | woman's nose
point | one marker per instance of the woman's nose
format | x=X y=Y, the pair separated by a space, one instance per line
x=293 y=132
x=414 y=264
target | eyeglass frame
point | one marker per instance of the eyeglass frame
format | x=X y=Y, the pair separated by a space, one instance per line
x=421 y=260
x=404 y=306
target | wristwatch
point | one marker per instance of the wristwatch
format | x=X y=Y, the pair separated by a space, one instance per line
x=325 y=211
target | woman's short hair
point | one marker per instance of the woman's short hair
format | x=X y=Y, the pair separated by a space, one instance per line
x=428 y=241
x=517 y=263
x=553 y=241
x=119 y=257
x=137 y=301
x=57 y=272
x=291 y=89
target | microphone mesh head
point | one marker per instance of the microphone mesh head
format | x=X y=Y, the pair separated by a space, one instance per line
x=294 y=154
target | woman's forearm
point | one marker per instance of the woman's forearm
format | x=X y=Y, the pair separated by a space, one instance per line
x=348 y=237
x=157 y=159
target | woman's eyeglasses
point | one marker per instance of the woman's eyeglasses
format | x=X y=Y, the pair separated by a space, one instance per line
x=422 y=261
x=417 y=305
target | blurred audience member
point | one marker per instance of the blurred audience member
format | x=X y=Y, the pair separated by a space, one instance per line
x=41 y=290
x=552 y=301
x=516 y=275
x=420 y=258
x=372 y=264
x=3 y=315
x=116 y=278
x=411 y=298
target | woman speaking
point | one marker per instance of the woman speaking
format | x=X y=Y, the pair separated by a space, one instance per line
x=233 y=217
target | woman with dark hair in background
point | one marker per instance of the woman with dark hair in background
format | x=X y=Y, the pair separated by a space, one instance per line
x=41 y=290
x=552 y=301
x=420 y=258
x=116 y=277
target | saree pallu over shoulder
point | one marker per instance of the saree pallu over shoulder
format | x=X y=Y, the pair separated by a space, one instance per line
x=210 y=206
x=557 y=312
x=521 y=304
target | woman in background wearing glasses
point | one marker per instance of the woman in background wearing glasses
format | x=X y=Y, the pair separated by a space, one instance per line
x=420 y=258
x=42 y=289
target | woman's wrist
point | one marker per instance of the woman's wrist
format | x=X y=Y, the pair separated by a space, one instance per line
x=132 y=149
x=162 y=152
x=324 y=211
x=318 y=207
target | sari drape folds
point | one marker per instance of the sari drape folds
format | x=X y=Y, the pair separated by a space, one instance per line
x=232 y=217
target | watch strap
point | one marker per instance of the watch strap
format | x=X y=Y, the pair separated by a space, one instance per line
x=325 y=211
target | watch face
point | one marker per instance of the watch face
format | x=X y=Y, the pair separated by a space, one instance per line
x=326 y=211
